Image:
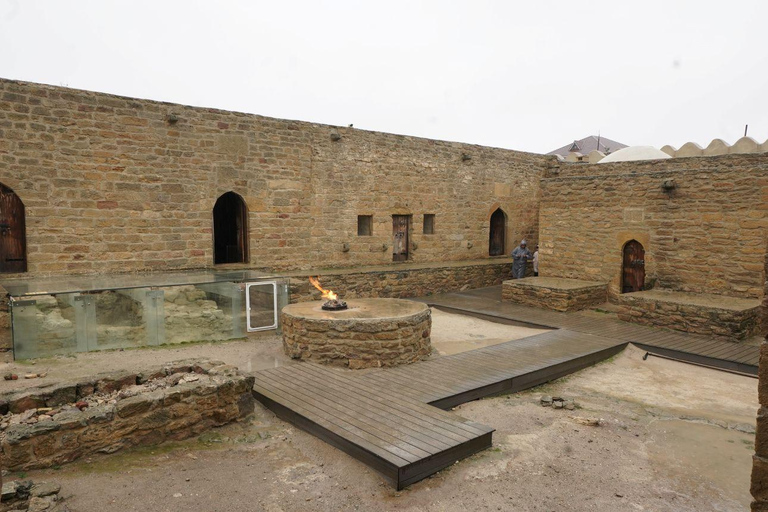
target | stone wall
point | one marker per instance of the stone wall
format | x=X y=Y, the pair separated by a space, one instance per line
x=705 y=235
x=53 y=425
x=416 y=281
x=728 y=318
x=554 y=293
x=109 y=184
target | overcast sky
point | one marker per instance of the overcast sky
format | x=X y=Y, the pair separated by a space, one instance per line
x=531 y=76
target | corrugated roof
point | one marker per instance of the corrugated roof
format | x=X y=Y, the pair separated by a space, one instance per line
x=587 y=144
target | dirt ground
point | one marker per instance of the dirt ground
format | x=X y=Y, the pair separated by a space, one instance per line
x=672 y=437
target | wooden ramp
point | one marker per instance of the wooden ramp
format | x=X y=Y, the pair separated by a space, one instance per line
x=392 y=419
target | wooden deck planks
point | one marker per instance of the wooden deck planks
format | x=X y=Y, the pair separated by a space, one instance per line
x=392 y=419
x=384 y=418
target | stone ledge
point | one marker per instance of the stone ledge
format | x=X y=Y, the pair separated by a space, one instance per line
x=711 y=315
x=554 y=293
x=177 y=401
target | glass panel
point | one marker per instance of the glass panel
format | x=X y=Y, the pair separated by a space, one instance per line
x=45 y=326
x=71 y=284
x=204 y=312
x=64 y=323
x=283 y=297
x=262 y=306
x=120 y=317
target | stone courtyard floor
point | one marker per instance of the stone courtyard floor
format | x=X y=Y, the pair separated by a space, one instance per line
x=671 y=436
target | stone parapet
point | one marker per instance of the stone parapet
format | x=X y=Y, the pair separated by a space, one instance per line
x=554 y=293
x=48 y=426
x=713 y=315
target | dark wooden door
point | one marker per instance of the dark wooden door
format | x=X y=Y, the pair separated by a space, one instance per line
x=13 y=240
x=633 y=271
x=498 y=229
x=400 y=225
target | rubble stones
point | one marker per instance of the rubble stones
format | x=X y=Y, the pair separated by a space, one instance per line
x=42 y=489
x=557 y=402
x=26 y=496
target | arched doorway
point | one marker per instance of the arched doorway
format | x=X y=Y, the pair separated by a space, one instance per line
x=230 y=229
x=633 y=268
x=13 y=236
x=498 y=233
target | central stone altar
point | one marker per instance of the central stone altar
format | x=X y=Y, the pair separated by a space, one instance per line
x=370 y=333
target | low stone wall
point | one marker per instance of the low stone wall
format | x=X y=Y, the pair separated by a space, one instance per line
x=52 y=425
x=404 y=282
x=554 y=293
x=358 y=338
x=729 y=318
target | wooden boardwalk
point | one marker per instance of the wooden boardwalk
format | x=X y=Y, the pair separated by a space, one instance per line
x=394 y=420
x=698 y=349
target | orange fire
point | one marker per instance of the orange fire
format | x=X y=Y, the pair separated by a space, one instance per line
x=327 y=294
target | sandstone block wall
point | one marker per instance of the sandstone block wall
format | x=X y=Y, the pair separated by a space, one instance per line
x=729 y=324
x=404 y=283
x=706 y=235
x=110 y=185
x=531 y=292
x=45 y=427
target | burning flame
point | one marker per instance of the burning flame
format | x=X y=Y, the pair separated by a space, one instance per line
x=327 y=294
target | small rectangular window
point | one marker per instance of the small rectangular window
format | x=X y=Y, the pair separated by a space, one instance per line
x=364 y=225
x=429 y=223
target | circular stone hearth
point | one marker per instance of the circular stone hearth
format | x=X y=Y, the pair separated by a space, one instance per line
x=371 y=333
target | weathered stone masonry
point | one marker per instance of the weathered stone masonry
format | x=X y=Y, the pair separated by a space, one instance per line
x=56 y=424
x=706 y=235
x=110 y=185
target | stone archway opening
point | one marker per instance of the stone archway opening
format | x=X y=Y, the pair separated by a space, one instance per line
x=498 y=233
x=230 y=229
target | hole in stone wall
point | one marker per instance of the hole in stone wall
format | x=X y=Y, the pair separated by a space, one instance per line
x=364 y=225
x=429 y=223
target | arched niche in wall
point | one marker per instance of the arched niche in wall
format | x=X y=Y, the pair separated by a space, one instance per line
x=498 y=233
x=230 y=229
x=13 y=234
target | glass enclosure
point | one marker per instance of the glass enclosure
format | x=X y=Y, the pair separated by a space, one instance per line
x=62 y=316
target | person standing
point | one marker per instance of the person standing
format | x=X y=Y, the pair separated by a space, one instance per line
x=520 y=257
x=536 y=262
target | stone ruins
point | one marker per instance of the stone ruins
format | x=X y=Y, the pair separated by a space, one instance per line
x=94 y=184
